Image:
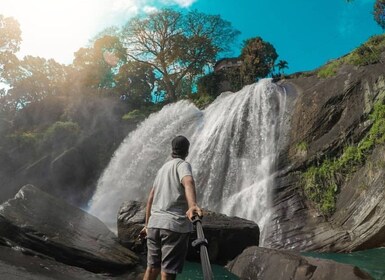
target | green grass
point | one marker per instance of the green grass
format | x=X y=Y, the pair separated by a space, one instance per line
x=134 y=115
x=302 y=147
x=367 y=53
x=330 y=69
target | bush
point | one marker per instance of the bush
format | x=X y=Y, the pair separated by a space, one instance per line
x=61 y=134
x=202 y=101
x=24 y=139
x=135 y=115
x=367 y=53
x=320 y=183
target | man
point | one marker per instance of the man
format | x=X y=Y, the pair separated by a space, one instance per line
x=170 y=207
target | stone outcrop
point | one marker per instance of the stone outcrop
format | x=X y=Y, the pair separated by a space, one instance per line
x=266 y=264
x=37 y=222
x=328 y=115
x=16 y=264
x=227 y=236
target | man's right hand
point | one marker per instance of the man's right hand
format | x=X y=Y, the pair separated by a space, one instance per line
x=143 y=233
x=194 y=211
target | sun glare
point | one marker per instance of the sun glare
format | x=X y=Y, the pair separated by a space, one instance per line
x=58 y=28
x=52 y=28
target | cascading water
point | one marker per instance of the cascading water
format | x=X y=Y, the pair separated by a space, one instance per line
x=233 y=151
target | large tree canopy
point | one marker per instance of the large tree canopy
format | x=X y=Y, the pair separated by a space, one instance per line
x=10 y=39
x=258 y=60
x=177 y=46
x=96 y=66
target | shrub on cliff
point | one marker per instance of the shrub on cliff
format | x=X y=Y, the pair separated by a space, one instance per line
x=321 y=183
x=61 y=135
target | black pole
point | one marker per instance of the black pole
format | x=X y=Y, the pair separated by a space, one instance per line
x=202 y=243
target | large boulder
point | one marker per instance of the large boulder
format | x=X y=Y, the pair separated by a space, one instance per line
x=227 y=236
x=45 y=224
x=266 y=264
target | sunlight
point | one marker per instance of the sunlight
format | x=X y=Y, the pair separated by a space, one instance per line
x=58 y=28
x=52 y=28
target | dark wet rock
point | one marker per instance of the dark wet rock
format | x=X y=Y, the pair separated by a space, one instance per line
x=266 y=264
x=131 y=219
x=328 y=115
x=227 y=236
x=49 y=226
x=19 y=264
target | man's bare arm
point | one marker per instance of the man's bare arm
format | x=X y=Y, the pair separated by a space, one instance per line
x=190 y=192
x=143 y=232
x=149 y=205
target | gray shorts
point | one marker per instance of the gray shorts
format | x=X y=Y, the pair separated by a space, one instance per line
x=166 y=249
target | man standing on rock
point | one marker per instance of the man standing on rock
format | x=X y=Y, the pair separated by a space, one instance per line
x=170 y=207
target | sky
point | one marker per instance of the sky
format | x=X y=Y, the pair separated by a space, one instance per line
x=305 y=33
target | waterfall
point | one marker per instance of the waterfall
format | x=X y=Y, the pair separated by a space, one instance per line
x=233 y=151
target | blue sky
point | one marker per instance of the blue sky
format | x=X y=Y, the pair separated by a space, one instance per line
x=306 y=33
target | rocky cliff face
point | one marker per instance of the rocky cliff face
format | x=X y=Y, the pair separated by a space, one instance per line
x=328 y=115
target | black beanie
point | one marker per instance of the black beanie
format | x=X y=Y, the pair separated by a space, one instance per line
x=180 y=146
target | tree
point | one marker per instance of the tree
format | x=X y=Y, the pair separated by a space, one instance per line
x=281 y=65
x=10 y=39
x=178 y=47
x=136 y=81
x=379 y=13
x=258 y=58
x=96 y=66
x=33 y=79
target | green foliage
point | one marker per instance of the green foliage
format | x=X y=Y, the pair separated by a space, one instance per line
x=177 y=46
x=320 y=183
x=134 y=115
x=329 y=70
x=302 y=146
x=61 y=135
x=136 y=81
x=258 y=60
x=210 y=83
x=95 y=67
x=367 y=53
x=379 y=13
x=10 y=35
x=282 y=65
x=202 y=101
x=25 y=139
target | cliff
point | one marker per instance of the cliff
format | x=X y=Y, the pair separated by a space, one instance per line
x=329 y=187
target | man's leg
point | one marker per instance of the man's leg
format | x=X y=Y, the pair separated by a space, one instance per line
x=151 y=273
x=174 y=249
x=168 y=276
x=153 y=254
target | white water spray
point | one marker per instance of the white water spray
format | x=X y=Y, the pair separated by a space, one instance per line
x=233 y=152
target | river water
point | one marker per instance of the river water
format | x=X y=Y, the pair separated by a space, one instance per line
x=372 y=261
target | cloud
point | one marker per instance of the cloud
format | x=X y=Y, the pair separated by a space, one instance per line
x=181 y=3
x=150 y=9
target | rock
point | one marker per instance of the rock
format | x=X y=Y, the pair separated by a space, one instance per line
x=266 y=264
x=131 y=219
x=227 y=236
x=42 y=223
x=328 y=115
x=16 y=264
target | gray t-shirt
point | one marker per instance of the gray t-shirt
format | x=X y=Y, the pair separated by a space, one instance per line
x=169 y=206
